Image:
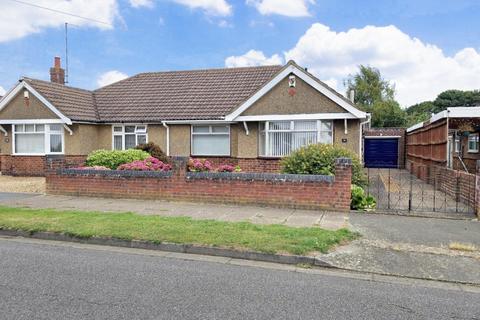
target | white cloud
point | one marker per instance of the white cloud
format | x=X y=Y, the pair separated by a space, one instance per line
x=289 y=8
x=252 y=58
x=110 y=77
x=19 y=20
x=141 y=3
x=210 y=7
x=420 y=71
x=2 y=91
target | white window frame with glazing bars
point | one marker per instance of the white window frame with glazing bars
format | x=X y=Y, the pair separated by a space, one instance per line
x=122 y=133
x=267 y=131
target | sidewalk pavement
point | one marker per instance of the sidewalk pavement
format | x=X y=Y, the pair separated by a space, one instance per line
x=260 y=215
x=412 y=247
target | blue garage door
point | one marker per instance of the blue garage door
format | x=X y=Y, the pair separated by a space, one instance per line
x=381 y=153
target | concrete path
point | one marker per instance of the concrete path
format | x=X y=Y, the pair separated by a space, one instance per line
x=260 y=215
x=412 y=247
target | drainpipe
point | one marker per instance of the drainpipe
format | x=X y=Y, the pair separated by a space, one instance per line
x=360 y=138
x=5 y=132
x=168 y=137
x=68 y=129
x=246 y=128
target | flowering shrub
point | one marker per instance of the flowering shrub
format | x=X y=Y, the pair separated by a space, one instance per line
x=154 y=150
x=92 y=168
x=149 y=164
x=199 y=165
x=228 y=168
x=113 y=158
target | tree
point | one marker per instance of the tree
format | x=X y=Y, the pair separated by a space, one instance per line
x=369 y=87
x=456 y=98
x=419 y=112
x=450 y=98
x=388 y=114
x=376 y=95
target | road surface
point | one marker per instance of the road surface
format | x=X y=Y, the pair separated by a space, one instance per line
x=47 y=280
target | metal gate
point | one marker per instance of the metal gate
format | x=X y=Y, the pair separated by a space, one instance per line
x=432 y=191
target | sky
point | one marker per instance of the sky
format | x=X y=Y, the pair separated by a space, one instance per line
x=422 y=46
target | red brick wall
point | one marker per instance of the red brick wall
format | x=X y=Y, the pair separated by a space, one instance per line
x=312 y=192
x=36 y=165
x=457 y=184
x=477 y=189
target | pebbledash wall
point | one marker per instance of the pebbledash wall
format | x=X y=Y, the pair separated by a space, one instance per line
x=270 y=189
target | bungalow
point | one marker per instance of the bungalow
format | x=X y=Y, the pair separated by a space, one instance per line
x=248 y=116
x=448 y=139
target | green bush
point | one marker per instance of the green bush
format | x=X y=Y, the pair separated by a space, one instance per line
x=361 y=201
x=154 y=150
x=114 y=158
x=320 y=159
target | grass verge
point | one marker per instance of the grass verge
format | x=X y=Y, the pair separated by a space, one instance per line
x=184 y=230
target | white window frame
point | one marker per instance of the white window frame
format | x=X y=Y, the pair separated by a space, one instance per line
x=46 y=136
x=473 y=136
x=122 y=133
x=210 y=133
x=267 y=131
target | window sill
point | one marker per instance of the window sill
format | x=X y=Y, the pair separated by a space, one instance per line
x=270 y=158
x=209 y=156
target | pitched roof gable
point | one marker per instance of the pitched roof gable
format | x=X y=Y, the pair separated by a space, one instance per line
x=211 y=94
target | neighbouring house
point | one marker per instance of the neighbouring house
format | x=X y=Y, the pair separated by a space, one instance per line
x=249 y=116
x=449 y=139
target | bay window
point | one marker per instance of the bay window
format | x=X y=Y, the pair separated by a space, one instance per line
x=473 y=142
x=280 y=138
x=38 y=139
x=129 y=136
x=211 y=140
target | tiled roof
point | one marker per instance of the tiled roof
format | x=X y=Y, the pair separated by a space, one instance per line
x=76 y=104
x=159 y=96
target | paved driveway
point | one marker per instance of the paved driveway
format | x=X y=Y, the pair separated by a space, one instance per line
x=22 y=184
x=398 y=191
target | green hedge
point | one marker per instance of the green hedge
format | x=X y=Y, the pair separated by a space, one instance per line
x=113 y=158
x=320 y=159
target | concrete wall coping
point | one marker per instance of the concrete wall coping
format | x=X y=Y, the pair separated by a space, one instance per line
x=259 y=177
x=117 y=173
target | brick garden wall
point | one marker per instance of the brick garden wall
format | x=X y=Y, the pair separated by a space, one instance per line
x=457 y=184
x=278 y=190
x=477 y=188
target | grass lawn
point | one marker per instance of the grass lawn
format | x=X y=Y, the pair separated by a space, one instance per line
x=129 y=226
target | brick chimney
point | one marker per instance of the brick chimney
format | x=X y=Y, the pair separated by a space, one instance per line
x=57 y=74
